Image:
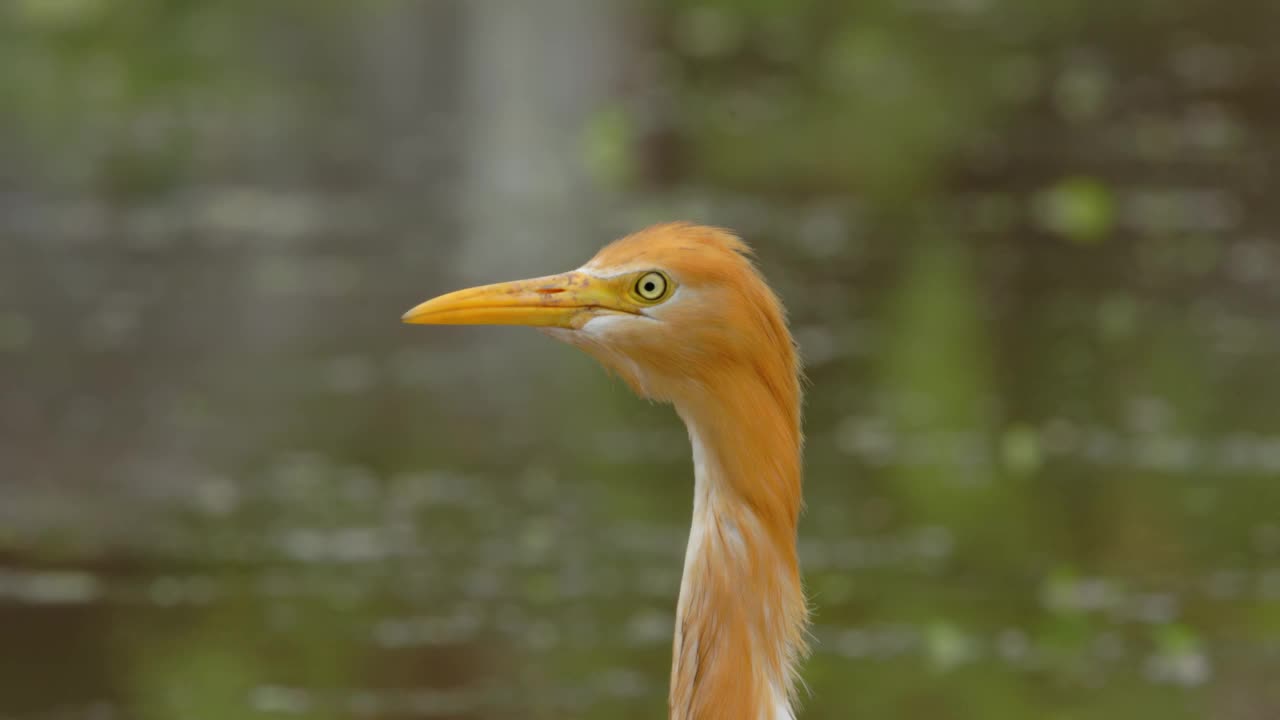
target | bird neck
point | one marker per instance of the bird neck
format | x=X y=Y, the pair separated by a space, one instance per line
x=741 y=614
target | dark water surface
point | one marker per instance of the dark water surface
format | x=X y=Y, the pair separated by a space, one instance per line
x=1075 y=510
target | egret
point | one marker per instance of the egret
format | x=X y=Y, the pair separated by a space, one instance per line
x=681 y=313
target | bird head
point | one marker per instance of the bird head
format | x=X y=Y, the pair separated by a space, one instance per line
x=674 y=310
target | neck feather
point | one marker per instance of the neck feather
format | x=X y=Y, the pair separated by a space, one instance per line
x=741 y=617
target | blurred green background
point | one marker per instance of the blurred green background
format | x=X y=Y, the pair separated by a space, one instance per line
x=1030 y=254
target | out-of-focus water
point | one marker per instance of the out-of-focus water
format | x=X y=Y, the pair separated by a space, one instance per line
x=1055 y=496
x=1043 y=440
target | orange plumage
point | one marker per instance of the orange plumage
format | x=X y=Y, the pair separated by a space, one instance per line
x=680 y=312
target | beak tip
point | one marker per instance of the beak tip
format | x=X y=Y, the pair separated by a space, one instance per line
x=413 y=316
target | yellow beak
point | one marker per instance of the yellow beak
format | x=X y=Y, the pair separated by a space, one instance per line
x=567 y=300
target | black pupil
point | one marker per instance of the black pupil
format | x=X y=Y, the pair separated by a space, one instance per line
x=649 y=286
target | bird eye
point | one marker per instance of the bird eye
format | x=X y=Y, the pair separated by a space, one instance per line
x=651 y=286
